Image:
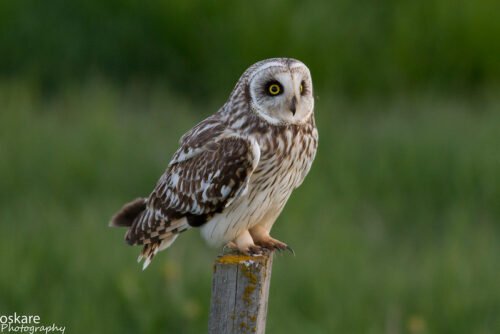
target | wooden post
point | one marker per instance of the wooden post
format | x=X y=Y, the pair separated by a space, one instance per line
x=240 y=289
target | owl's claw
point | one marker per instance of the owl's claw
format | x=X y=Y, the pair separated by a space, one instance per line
x=250 y=250
x=262 y=238
x=254 y=250
x=272 y=244
x=290 y=249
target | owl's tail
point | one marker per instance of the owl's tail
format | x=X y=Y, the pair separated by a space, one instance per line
x=152 y=240
x=128 y=213
x=151 y=249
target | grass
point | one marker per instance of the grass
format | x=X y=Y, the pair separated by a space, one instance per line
x=411 y=45
x=395 y=230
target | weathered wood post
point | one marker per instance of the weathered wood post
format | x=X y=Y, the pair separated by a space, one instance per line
x=240 y=289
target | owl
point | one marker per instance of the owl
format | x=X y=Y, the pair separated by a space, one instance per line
x=234 y=171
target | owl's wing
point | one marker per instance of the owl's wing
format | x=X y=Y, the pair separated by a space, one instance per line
x=200 y=181
x=199 y=139
x=210 y=179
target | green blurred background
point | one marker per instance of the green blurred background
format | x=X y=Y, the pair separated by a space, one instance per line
x=396 y=228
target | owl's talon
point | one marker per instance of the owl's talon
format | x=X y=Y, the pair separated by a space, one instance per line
x=255 y=250
x=272 y=244
x=290 y=249
x=251 y=250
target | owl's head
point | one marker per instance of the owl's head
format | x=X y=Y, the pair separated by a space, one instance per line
x=280 y=91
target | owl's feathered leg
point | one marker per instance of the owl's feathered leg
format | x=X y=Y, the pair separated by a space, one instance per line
x=244 y=243
x=262 y=238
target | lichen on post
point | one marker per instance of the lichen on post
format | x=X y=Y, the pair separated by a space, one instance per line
x=240 y=290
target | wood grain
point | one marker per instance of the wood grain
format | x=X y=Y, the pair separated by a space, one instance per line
x=240 y=290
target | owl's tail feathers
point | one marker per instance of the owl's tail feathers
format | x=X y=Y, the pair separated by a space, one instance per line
x=158 y=235
x=128 y=213
x=150 y=250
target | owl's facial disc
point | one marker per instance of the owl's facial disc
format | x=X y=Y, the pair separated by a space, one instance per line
x=282 y=94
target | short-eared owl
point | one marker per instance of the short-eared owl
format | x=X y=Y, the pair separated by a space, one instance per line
x=234 y=171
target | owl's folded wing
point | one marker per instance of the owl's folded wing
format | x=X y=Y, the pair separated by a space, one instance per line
x=209 y=180
x=202 y=185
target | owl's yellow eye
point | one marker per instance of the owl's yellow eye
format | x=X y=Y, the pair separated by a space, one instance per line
x=302 y=88
x=274 y=89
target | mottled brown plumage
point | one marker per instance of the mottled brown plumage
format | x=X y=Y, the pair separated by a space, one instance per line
x=234 y=171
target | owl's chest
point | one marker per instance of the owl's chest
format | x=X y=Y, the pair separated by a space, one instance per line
x=284 y=162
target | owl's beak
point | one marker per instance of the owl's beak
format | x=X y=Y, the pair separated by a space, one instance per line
x=293 y=105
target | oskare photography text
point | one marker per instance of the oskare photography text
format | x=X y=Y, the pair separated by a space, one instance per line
x=23 y=323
